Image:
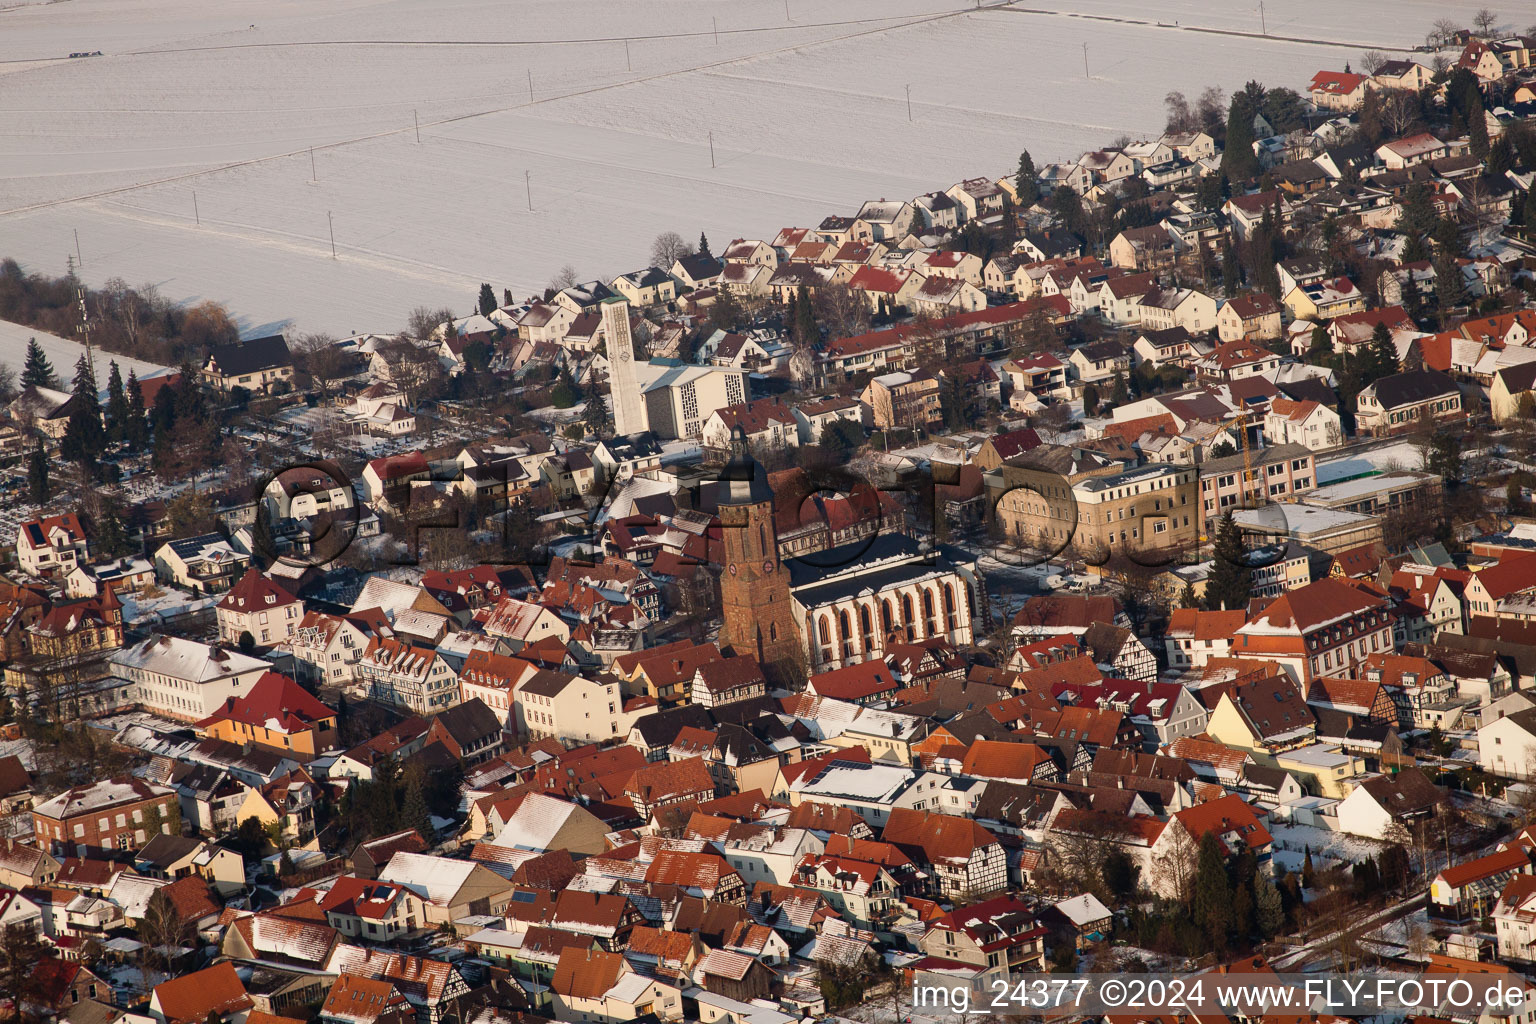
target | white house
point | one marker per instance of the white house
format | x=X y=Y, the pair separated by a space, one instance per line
x=52 y=545
x=184 y=679
x=258 y=606
x=1507 y=746
x=1307 y=423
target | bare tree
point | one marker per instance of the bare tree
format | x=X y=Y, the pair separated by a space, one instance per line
x=1180 y=117
x=1444 y=29
x=1399 y=112
x=844 y=313
x=668 y=248
x=1211 y=108
x=1175 y=868
x=1440 y=65
x=1485 y=20
x=424 y=320
x=1372 y=60
x=319 y=357
x=7 y=383
x=564 y=278
x=412 y=367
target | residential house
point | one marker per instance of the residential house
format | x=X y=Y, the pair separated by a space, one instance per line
x=415 y=678
x=275 y=713
x=649 y=287
x=51 y=546
x=1099 y=361
x=202 y=996
x=1408 y=401
x=1254 y=317
x=1384 y=801
x=1148 y=249
x=963 y=859
x=1178 y=307
x=469 y=730
x=258 y=364
x=205 y=564
x=1412 y=150
x=1326 y=628
x=1310 y=424
x=113 y=814
x=904 y=401
x=184 y=679
x=1338 y=90
x=260 y=608
x=450 y=889
x=593 y=986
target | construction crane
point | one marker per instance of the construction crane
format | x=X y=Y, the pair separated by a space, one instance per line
x=1242 y=426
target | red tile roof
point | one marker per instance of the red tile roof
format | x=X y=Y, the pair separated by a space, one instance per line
x=193 y=997
x=276 y=703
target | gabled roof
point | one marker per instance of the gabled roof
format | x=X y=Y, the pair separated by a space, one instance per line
x=276 y=703
x=1223 y=817
x=251 y=356
x=1412 y=387
x=1337 y=83
x=587 y=973
x=193 y=997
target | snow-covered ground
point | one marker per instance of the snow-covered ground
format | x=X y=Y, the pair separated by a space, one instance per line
x=63 y=353
x=805 y=103
x=1293 y=841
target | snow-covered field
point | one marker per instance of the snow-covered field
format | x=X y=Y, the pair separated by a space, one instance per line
x=63 y=353
x=805 y=102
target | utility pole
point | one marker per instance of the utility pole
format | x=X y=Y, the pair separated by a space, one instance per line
x=1085 y=60
x=528 y=184
x=711 y=149
x=786 y=11
x=79 y=260
x=909 y=102
x=1263 y=25
x=195 y=215
x=530 y=85
x=312 y=176
x=716 y=26
x=627 y=65
x=332 y=228
x=417 y=119
x=85 y=331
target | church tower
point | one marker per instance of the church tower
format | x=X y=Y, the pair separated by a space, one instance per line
x=623 y=387
x=754 y=586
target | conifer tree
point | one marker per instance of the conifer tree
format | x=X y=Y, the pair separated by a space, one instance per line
x=1238 y=161
x=704 y=245
x=487 y=300
x=37 y=474
x=1231 y=576
x=136 y=423
x=1383 y=355
x=1027 y=184
x=37 y=371
x=83 y=436
x=415 y=814
x=1477 y=133
x=805 y=319
x=117 y=405
x=1211 y=906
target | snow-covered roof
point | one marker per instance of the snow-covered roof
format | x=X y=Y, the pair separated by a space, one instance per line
x=1083 y=910
x=186 y=660
x=436 y=879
